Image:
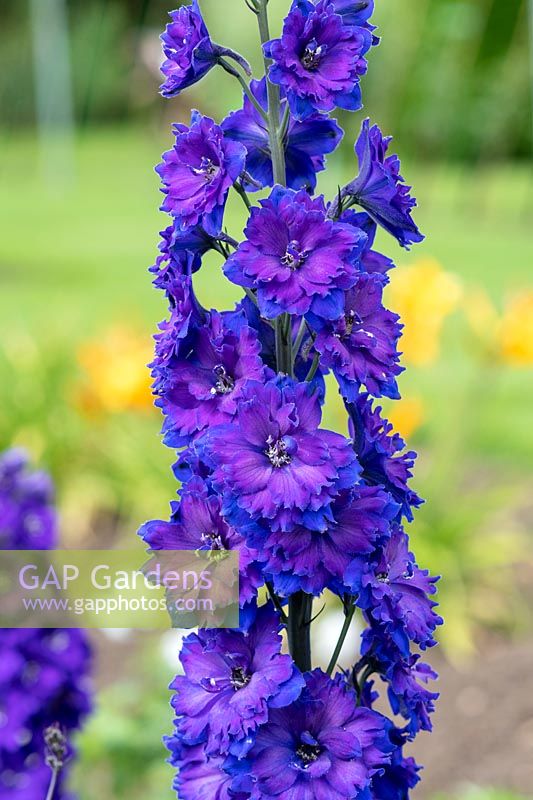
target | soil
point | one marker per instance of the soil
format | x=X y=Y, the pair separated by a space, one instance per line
x=483 y=726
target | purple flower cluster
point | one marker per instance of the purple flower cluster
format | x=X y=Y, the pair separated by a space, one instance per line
x=241 y=392
x=43 y=673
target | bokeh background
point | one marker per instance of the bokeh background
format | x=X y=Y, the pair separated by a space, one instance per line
x=81 y=126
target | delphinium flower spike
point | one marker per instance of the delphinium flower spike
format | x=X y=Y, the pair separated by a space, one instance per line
x=241 y=392
x=43 y=673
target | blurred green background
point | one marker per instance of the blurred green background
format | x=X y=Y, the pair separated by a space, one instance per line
x=81 y=126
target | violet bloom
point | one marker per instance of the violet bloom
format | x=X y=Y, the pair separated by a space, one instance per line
x=371 y=260
x=320 y=746
x=361 y=346
x=197 y=524
x=395 y=592
x=380 y=189
x=202 y=385
x=232 y=679
x=200 y=776
x=273 y=461
x=312 y=560
x=27 y=515
x=318 y=60
x=298 y=260
x=43 y=673
x=198 y=172
x=189 y=51
x=409 y=695
x=354 y=12
x=305 y=143
x=397 y=779
x=381 y=454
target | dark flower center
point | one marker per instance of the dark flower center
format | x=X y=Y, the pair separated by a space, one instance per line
x=308 y=753
x=383 y=577
x=276 y=452
x=224 y=383
x=313 y=54
x=239 y=678
x=294 y=257
x=213 y=540
x=207 y=168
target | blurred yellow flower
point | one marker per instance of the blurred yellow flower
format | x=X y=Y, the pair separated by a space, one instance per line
x=516 y=330
x=116 y=377
x=407 y=415
x=424 y=295
x=507 y=337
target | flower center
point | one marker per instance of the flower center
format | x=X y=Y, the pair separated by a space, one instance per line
x=294 y=257
x=239 y=678
x=383 y=577
x=312 y=54
x=224 y=382
x=276 y=452
x=213 y=540
x=308 y=753
x=207 y=168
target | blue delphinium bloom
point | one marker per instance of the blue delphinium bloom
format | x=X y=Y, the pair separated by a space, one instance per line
x=273 y=461
x=200 y=776
x=361 y=345
x=232 y=679
x=380 y=189
x=43 y=673
x=189 y=51
x=382 y=455
x=319 y=60
x=296 y=258
x=394 y=591
x=198 y=172
x=309 y=560
x=197 y=524
x=320 y=746
x=203 y=384
x=242 y=393
x=305 y=142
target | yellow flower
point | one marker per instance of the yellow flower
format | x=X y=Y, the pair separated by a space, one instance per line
x=116 y=376
x=424 y=295
x=407 y=415
x=516 y=331
x=507 y=338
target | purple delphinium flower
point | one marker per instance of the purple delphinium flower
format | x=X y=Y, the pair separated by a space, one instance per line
x=189 y=51
x=198 y=172
x=397 y=778
x=197 y=524
x=202 y=386
x=380 y=189
x=320 y=746
x=232 y=678
x=27 y=514
x=354 y=12
x=305 y=142
x=380 y=453
x=296 y=258
x=43 y=673
x=273 y=461
x=371 y=260
x=361 y=346
x=318 y=60
x=309 y=560
x=200 y=776
x=394 y=591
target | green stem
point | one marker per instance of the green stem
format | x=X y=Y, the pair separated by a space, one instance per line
x=342 y=638
x=299 y=629
x=52 y=786
x=300 y=604
x=248 y=92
